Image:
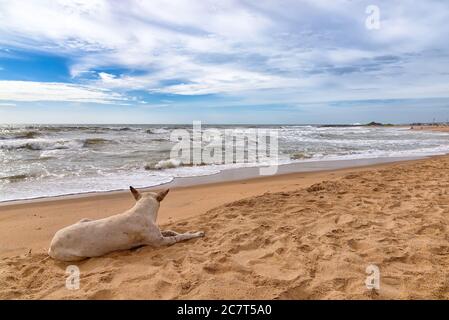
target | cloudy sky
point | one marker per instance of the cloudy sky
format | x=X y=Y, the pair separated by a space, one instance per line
x=303 y=61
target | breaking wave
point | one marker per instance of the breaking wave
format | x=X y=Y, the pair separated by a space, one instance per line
x=95 y=142
x=36 y=146
x=164 y=164
x=157 y=131
x=16 y=178
x=170 y=164
x=19 y=135
x=40 y=145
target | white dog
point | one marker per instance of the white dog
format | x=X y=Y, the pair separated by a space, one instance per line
x=135 y=227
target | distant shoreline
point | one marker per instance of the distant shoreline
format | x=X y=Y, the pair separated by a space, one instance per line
x=230 y=175
x=438 y=128
x=372 y=123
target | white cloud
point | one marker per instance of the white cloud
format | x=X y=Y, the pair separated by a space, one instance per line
x=7 y=104
x=49 y=91
x=314 y=49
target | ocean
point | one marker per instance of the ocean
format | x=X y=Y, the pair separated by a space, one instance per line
x=52 y=160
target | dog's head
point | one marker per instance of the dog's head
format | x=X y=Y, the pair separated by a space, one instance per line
x=159 y=196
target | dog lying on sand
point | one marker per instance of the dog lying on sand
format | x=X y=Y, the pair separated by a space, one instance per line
x=133 y=228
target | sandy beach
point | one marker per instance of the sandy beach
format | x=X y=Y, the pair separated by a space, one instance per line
x=293 y=236
x=439 y=128
x=305 y=146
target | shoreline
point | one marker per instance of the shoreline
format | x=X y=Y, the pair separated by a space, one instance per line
x=223 y=174
x=307 y=235
x=36 y=221
x=228 y=175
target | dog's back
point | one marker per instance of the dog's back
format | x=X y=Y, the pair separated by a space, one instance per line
x=95 y=238
x=135 y=227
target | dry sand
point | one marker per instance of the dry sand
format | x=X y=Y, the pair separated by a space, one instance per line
x=296 y=236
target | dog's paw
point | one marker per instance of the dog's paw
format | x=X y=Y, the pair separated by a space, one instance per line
x=200 y=233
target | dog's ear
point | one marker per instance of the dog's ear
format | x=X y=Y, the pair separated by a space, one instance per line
x=161 y=195
x=135 y=193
